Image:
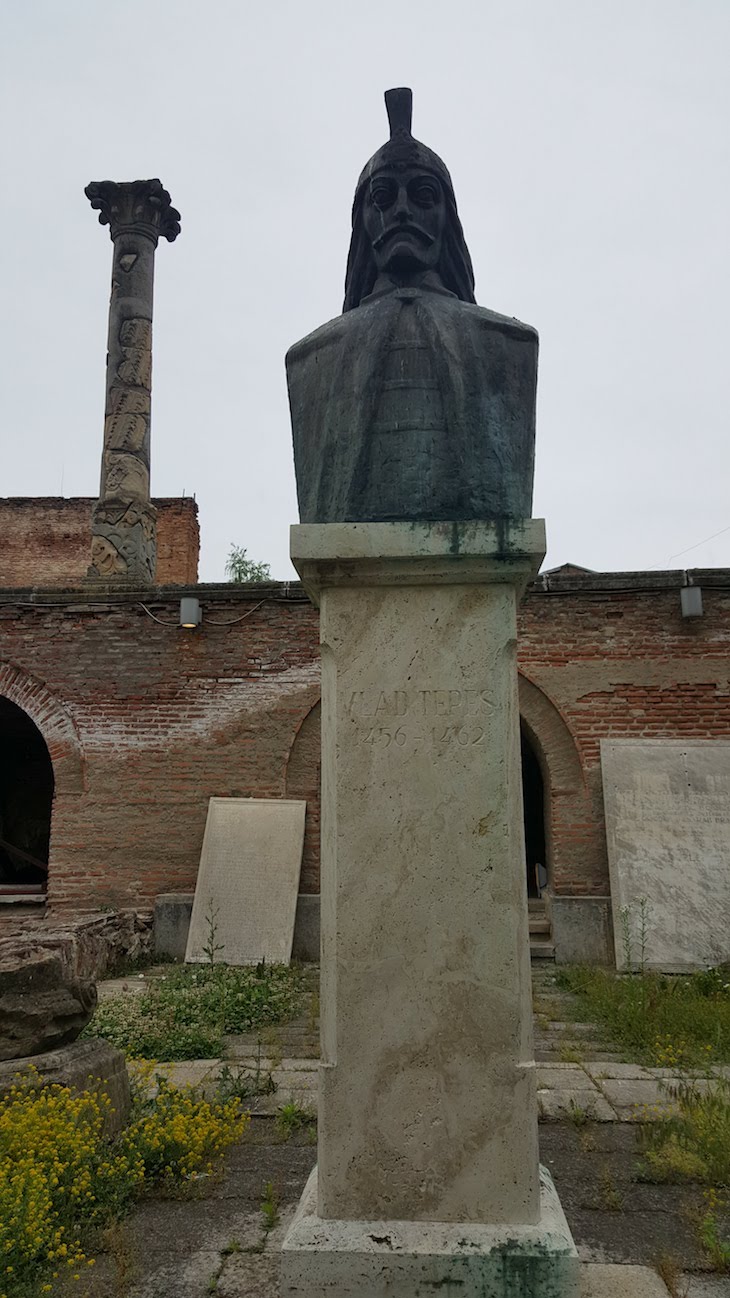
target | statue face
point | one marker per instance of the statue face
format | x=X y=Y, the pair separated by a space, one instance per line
x=404 y=214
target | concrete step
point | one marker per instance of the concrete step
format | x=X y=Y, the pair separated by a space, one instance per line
x=539 y=924
x=540 y=951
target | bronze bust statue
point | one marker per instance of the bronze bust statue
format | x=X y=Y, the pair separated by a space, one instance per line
x=415 y=403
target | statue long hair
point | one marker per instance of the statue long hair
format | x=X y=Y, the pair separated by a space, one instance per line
x=454 y=267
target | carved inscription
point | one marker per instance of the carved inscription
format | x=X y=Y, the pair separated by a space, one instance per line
x=416 y=718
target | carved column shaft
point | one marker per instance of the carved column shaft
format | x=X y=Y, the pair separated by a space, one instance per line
x=124 y=544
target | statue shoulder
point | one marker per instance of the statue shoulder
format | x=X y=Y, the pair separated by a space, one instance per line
x=329 y=336
x=481 y=319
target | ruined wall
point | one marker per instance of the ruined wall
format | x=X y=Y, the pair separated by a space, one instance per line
x=46 y=541
x=146 y=721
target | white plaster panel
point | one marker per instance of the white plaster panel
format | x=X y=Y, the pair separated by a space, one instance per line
x=248 y=880
x=668 y=830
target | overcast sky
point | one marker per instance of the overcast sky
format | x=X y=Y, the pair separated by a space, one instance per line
x=588 y=144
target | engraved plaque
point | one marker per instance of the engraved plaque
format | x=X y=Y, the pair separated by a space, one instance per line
x=668 y=830
x=248 y=880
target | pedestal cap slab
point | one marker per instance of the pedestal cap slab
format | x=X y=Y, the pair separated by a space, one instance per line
x=393 y=554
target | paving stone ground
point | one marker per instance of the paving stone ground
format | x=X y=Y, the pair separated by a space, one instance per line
x=591 y=1101
x=579 y=1076
x=214 y=1245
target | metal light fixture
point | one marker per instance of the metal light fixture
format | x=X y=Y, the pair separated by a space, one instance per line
x=190 y=612
x=691 y=598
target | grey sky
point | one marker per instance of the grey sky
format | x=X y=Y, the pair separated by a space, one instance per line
x=588 y=144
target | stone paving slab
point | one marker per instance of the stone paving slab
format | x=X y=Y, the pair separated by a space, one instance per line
x=249 y=1275
x=188 y=1277
x=267 y=1064
x=190 y=1072
x=569 y=1077
x=619 y=1072
x=630 y=1098
x=706 y=1286
x=574 y=1105
x=573 y=1029
x=601 y=1281
x=133 y=985
x=263 y=1106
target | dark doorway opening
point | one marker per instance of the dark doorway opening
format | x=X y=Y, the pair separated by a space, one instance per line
x=26 y=797
x=533 y=797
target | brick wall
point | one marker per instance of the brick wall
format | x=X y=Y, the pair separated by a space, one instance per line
x=161 y=719
x=46 y=541
x=616 y=658
x=146 y=721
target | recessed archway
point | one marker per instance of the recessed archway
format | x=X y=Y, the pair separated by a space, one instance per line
x=533 y=801
x=26 y=798
x=574 y=835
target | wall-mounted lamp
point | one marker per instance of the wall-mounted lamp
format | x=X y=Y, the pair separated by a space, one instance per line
x=191 y=614
x=691 y=597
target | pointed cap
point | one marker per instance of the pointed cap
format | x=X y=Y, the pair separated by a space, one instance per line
x=402 y=150
x=399 y=107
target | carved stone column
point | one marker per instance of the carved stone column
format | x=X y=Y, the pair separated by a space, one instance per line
x=124 y=541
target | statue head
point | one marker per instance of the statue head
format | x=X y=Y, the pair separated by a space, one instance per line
x=404 y=217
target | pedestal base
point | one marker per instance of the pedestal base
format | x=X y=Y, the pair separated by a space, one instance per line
x=406 y=1259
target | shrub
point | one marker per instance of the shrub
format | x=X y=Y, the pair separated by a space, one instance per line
x=60 y=1177
x=185 y=1013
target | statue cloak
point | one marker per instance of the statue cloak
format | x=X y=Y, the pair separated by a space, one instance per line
x=485 y=365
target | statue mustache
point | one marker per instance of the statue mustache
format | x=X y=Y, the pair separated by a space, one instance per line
x=408 y=227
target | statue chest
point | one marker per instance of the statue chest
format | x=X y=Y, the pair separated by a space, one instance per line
x=409 y=402
x=407 y=444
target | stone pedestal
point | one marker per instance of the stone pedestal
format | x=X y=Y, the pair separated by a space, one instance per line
x=89 y=1065
x=428 y=1113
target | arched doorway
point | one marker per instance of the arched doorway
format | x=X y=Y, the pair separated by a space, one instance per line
x=26 y=797
x=533 y=799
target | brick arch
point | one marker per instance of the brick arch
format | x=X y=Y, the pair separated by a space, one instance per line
x=573 y=822
x=54 y=723
x=549 y=735
x=302 y=780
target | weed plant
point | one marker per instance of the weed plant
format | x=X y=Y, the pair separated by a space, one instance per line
x=244 y=1083
x=61 y=1179
x=671 y=1021
x=691 y=1143
x=270 y=1206
x=186 y=1013
x=291 y=1117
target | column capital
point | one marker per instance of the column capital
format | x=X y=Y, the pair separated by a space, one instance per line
x=134 y=207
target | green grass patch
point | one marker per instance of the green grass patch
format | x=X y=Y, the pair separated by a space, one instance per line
x=186 y=1012
x=670 y=1021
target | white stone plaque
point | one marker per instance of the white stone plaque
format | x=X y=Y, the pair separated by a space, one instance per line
x=668 y=829
x=246 y=894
